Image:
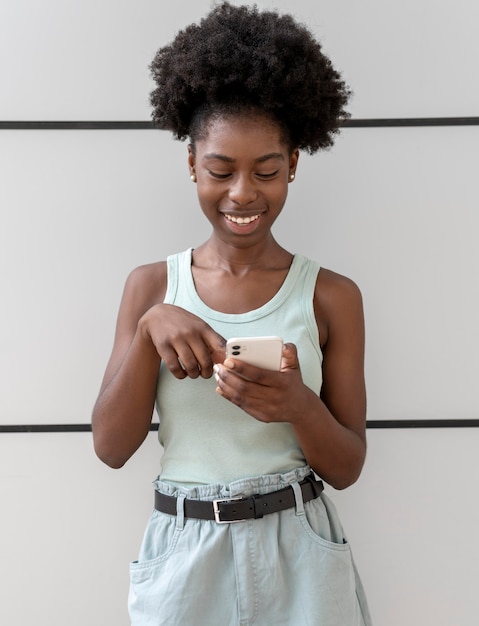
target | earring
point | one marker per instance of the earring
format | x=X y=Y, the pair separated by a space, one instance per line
x=291 y=178
x=193 y=177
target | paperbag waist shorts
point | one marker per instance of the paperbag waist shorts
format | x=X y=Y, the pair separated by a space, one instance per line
x=291 y=568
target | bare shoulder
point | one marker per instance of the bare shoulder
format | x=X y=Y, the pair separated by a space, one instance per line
x=332 y=287
x=150 y=278
x=145 y=286
x=337 y=302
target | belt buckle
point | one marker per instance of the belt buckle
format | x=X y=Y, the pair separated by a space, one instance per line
x=217 y=512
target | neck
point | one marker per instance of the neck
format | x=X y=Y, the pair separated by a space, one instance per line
x=241 y=260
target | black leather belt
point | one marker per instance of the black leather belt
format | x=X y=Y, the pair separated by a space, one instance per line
x=227 y=510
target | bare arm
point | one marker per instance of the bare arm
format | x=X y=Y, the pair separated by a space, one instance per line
x=147 y=332
x=331 y=428
x=124 y=408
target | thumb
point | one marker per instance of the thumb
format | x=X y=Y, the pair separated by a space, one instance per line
x=289 y=358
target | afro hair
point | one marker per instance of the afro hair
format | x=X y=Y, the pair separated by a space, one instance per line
x=240 y=59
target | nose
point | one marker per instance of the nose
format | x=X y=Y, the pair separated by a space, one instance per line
x=243 y=190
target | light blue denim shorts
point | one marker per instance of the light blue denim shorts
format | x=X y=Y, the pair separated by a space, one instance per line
x=291 y=568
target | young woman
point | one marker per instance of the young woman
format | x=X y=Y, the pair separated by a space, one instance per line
x=243 y=444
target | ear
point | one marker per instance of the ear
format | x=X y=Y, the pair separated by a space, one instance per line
x=293 y=160
x=293 y=163
x=191 y=159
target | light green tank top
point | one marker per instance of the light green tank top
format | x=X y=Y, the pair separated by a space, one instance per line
x=207 y=439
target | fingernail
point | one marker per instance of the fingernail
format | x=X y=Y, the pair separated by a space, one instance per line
x=229 y=364
x=216 y=369
x=217 y=378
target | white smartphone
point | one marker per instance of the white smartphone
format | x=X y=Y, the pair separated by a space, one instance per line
x=263 y=352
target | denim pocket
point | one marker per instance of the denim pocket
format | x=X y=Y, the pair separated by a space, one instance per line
x=159 y=543
x=321 y=523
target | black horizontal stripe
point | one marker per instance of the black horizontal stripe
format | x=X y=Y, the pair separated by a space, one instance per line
x=77 y=125
x=431 y=423
x=132 y=125
x=371 y=424
x=412 y=121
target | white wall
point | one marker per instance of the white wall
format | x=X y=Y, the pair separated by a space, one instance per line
x=393 y=208
x=86 y=60
x=70 y=526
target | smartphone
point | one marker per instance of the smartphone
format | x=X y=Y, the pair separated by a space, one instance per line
x=263 y=352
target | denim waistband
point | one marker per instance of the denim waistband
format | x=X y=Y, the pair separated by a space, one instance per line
x=242 y=487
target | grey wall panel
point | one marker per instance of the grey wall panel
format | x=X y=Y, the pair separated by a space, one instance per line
x=70 y=526
x=411 y=520
x=395 y=209
x=79 y=211
x=63 y=60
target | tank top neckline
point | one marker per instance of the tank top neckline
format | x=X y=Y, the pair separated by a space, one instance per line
x=276 y=301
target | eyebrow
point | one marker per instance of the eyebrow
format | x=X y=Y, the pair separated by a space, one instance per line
x=261 y=159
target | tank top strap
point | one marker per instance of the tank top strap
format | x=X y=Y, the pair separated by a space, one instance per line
x=307 y=273
x=308 y=277
x=177 y=267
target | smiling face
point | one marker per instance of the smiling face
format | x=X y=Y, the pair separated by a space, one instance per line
x=243 y=168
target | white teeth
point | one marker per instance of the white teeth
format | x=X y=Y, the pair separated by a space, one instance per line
x=242 y=220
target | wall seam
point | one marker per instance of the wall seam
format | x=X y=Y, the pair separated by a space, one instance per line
x=370 y=424
x=400 y=122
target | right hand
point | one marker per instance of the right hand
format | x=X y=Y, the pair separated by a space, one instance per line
x=186 y=343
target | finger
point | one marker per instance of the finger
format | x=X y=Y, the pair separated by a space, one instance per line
x=216 y=346
x=208 y=351
x=189 y=360
x=289 y=358
x=245 y=371
x=194 y=357
x=233 y=387
x=245 y=394
x=171 y=360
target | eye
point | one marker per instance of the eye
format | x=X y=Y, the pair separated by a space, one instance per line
x=266 y=176
x=218 y=175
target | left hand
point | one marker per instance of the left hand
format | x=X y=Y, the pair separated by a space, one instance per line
x=266 y=395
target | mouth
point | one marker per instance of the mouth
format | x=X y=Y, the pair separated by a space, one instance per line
x=242 y=220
